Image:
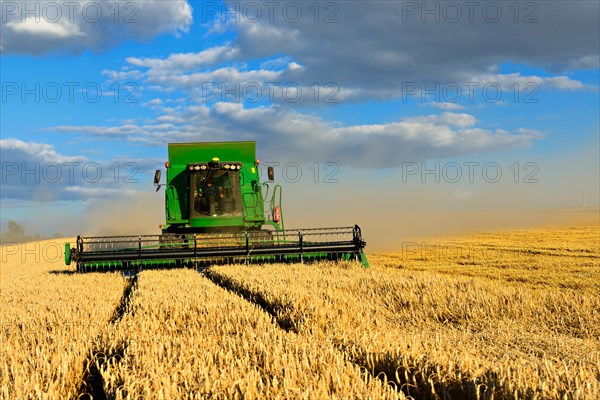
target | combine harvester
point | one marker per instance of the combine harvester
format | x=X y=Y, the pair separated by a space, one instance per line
x=217 y=211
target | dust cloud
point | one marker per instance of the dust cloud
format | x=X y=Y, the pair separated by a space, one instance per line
x=391 y=211
x=387 y=222
x=133 y=214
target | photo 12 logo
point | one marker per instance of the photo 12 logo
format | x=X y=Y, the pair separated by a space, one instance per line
x=325 y=12
x=70 y=92
x=68 y=172
x=449 y=252
x=453 y=12
x=255 y=92
x=455 y=92
x=33 y=252
x=469 y=172
x=61 y=12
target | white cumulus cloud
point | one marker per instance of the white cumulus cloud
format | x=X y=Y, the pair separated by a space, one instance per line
x=287 y=134
x=47 y=26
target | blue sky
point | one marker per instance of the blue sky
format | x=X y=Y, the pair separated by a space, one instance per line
x=369 y=63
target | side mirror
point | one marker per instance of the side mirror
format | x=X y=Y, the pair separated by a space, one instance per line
x=270 y=174
x=157 y=179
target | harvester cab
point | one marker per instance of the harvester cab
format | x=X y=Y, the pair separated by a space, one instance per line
x=217 y=211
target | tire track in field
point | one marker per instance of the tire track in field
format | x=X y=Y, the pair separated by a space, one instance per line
x=288 y=325
x=92 y=383
x=411 y=382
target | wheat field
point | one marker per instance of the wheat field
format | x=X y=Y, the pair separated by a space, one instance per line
x=500 y=315
x=49 y=319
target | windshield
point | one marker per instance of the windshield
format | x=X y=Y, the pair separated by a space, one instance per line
x=215 y=193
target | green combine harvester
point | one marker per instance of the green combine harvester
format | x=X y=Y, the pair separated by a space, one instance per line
x=217 y=211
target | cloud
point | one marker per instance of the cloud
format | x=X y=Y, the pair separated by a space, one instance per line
x=283 y=133
x=99 y=191
x=189 y=70
x=513 y=81
x=123 y=74
x=217 y=74
x=36 y=171
x=446 y=105
x=447 y=118
x=186 y=61
x=404 y=42
x=564 y=83
x=103 y=131
x=153 y=103
x=46 y=26
x=585 y=62
x=222 y=74
x=16 y=150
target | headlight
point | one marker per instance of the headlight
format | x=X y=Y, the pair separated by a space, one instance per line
x=227 y=166
x=197 y=168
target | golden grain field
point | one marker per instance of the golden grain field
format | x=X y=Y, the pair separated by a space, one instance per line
x=498 y=315
x=50 y=317
x=205 y=342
